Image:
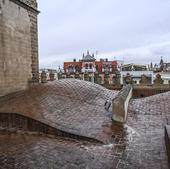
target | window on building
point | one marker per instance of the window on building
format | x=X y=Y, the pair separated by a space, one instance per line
x=71 y=68
x=86 y=66
x=90 y=66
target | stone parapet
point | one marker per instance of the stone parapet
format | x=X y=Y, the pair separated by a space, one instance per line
x=120 y=104
x=167 y=141
x=145 y=91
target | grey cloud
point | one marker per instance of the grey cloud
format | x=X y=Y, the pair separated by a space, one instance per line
x=67 y=28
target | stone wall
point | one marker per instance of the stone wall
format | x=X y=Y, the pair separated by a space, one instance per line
x=120 y=104
x=31 y=3
x=167 y=142
x=145 y=91
x=18 y=46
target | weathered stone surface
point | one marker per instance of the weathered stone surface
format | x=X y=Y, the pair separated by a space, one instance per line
x=18 y=47
x=146 y=119
x=167 y=141
x=70 y=105
x=145 y=91
x=120 y=104
x=31 y=3
x=41 y=152
x=15 y=122
x=139 y=144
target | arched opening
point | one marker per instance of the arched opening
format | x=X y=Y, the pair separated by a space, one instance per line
x=86 y=66
x=90 y=66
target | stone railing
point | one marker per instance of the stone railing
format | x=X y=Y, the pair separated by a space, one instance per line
x=145 y=91
x=167 y=141
x=13 y=121
x=120 y=104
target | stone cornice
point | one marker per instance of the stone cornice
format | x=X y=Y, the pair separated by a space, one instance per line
x=27 y=4
x=31 y=3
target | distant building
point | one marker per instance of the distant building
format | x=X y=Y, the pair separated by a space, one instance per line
x=88 y=64
x=167 y=67
x=160 y=67
x=134 y=67
x=114 y=73
x=136 y=74
x=89 y=69
x=144 y=75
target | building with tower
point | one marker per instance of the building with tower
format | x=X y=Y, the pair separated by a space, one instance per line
x=162 y=66
x=88 y=68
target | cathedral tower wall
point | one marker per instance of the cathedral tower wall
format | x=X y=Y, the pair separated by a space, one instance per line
x=18 y=45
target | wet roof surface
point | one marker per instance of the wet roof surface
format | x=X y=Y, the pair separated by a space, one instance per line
x=70 y=105
x=139 y=144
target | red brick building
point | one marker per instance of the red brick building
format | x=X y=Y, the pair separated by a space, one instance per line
x=89 y=64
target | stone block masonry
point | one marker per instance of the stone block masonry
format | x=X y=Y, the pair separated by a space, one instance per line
x=167 y=141
x=120 y=104
x=18 y=45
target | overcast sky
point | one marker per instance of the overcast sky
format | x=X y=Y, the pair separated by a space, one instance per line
x=136 y=31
